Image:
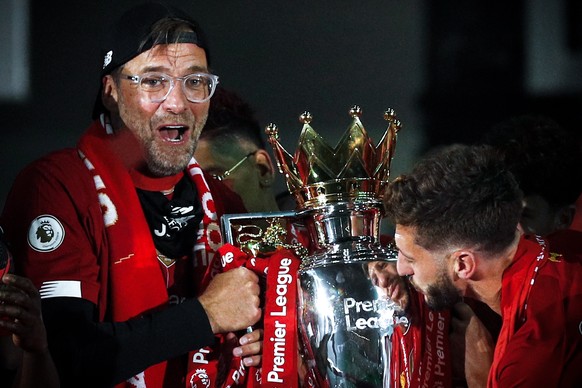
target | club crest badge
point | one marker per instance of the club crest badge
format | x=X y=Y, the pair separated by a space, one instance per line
x=200 y=379
x=45 y=234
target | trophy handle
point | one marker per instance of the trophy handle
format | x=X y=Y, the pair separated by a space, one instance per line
x=228 y=221
x=261 y=233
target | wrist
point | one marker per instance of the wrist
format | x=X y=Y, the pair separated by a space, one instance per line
x=207 y=306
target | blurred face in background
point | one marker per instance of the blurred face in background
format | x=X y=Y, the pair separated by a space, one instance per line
x=539 y=217
x=244 y=168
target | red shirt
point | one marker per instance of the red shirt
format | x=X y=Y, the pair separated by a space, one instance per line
x=64 y=198
x=57 y=191
x=540 y=344
x=55 y=219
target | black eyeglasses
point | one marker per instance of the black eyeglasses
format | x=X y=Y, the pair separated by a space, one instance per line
x=225 y=174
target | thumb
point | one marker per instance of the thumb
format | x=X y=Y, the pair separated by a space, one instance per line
x=461 y=315
x=463 y=311
x=230 y=341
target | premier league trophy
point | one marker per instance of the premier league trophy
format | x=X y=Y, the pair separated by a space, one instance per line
x=345 y=322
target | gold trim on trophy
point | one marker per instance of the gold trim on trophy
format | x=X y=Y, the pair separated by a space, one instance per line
x=355 y=170
x=257 y=241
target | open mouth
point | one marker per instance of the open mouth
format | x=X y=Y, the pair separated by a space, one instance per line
x=173 y=133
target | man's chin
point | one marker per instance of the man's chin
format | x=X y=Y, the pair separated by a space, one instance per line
x=166 y=169
x=440 y=304
x=166 y=162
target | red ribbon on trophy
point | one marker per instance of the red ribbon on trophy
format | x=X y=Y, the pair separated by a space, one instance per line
x=279 y=357
x=280 y=321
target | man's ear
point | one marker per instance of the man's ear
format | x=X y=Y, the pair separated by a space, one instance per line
x=465 y=264
x=265 y=168
x=109 y=94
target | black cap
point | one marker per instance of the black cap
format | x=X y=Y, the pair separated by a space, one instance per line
x=124 y=38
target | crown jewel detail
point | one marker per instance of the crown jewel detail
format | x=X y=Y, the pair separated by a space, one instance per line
x=355 y=169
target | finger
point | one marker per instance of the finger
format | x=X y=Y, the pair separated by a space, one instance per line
x=13 y=296
x=16 y=313
x=253 y=336
x=17 y=326
x=15 y=304
x=396 y=291
x=248 y=274
x=231 y=339
x=21 y=283
x=251 y=349
x=252 y=360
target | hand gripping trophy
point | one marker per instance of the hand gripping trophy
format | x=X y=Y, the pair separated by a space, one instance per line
x=346 y=324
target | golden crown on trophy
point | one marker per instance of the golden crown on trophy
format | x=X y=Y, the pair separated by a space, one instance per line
x=355 y=170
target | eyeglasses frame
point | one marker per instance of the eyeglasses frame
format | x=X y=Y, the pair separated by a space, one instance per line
x=224 y=175
x=136 y=79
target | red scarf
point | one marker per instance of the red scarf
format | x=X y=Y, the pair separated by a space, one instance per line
x=279 y=366
x=421 y=356
x=132 y=255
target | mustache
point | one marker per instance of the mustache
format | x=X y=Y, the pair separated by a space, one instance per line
x=186 y=117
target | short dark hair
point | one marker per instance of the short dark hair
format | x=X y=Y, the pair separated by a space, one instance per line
x=545 y=158
x=459 y=194
x=171 y=30
x=230 y=118
x=165 y=31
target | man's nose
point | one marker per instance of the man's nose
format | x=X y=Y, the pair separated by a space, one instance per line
x=176 y=101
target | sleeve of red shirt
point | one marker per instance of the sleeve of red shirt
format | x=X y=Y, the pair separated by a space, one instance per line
x=59 y=186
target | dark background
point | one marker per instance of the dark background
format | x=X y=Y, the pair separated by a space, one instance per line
x=450 y=69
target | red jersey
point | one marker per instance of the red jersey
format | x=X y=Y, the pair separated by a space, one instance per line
x=540 y=343
x=78 y=231
x=63 y=199
x=421 y=355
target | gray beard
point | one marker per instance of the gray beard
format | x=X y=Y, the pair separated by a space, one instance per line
x=160 y=166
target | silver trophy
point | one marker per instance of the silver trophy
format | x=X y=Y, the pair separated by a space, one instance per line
x=345 y=322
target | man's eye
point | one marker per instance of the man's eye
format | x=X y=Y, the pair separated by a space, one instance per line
x=194 y=82
x=406 y=258
x=152 y=82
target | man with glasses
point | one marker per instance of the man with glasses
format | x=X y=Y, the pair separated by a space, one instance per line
x=232 y=150
x=129 y=296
